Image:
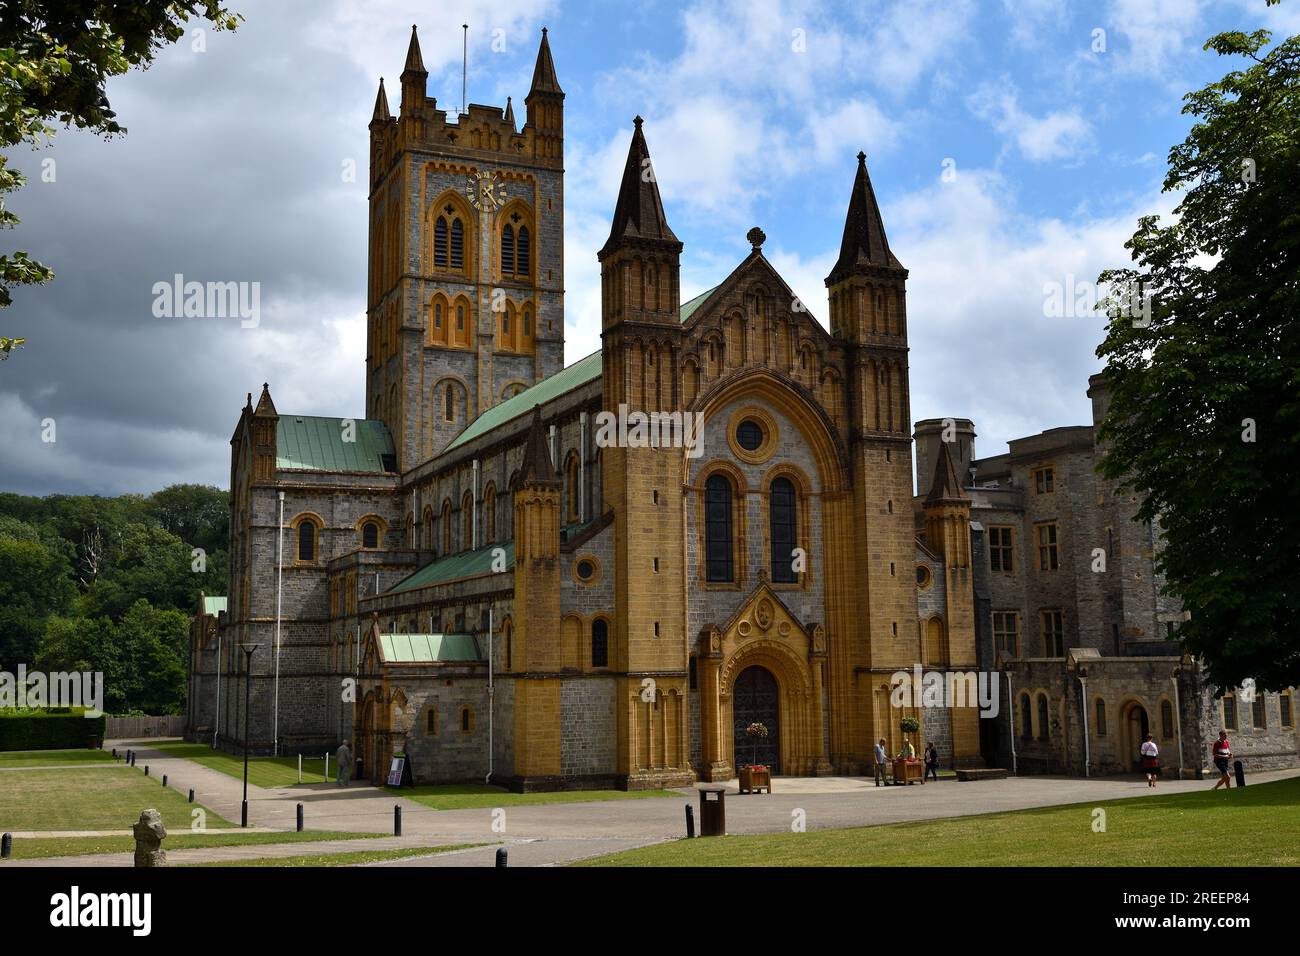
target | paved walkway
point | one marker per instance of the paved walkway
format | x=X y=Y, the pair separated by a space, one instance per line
x=542 y=834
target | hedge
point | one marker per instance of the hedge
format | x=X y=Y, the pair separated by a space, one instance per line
x=61 y=729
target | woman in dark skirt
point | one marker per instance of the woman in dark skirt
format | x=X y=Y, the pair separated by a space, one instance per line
x=1150 y=760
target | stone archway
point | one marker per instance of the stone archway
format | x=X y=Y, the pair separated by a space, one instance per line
x=1135 y=724
x=756 y=698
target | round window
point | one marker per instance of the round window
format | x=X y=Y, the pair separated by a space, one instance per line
x=922 y=575
x=749 y=435
x=585 y=570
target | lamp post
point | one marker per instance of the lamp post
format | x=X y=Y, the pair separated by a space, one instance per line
x=248 y=650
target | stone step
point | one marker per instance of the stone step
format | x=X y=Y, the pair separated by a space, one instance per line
x=994 y=774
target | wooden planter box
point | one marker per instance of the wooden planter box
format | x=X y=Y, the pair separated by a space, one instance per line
x=905 y=771
x=755 y=779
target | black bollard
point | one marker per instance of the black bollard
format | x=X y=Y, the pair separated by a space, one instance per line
x=6 y=846
x=114 y=753
x=191 y=795
x=300 y=818
x=146 y=770
x=164 y=780
x=397 y=820
x=501 y=857
x=690 y=821
x=243 y=814
x=1241 y=772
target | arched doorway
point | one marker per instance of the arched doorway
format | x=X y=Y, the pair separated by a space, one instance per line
x=756 y=698
x=1136 y=727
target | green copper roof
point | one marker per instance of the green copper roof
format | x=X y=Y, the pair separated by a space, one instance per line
x=214 y=605
x=566 y=380
x=467 y=564
x=428 y=648
x=316 y=444
x=688 y=308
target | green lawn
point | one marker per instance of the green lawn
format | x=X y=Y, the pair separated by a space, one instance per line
x=99 y=798
x=344 y=859
x=52 y=758
x=461 y=796
x=262 y=771
x=33 y=848
x=1255 y=826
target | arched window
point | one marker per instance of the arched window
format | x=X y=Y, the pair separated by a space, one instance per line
x=528 y=322
x=306 y=540
x=1042 y=717
x=410 y=530
x=572 y=474
x=783 y=529
x=446 y=527
x=440 y=243
x=599 y=643
x=523 y=264
x=431 y=719
x=427 y=531
x=466 y=719
x=508 y=250
x=1166 y=719
x=718 y=543
x=1099 y=721
x=490 y=514
x=934 y=651
x=370 y=535
x=1026 y=717
x=467 y=520
x=449 y=404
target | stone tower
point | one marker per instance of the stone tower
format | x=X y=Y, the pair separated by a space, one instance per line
x=466 y=279
x=641 y=341
x=868 y=309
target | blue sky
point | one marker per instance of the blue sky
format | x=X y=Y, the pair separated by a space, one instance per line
x=754 y=113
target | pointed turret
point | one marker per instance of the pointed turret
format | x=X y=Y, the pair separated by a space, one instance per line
x=265 y=407
x=945 y=486
x=381 y=114
x=538 y=467
x=639 y=212
x=864 y=242
x=544 y=108
x=510 y=114
x=544 y=78
x=265 y=425
x=415 y=77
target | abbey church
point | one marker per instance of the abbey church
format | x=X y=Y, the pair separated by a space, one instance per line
x=471 y=576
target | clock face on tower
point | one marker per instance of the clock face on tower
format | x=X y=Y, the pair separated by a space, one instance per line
x=485 y=191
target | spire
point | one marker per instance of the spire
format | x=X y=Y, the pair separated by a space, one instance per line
x=544 y=78
x=538 y=468
x=510 y=114
x=639 y=212
x=414 y=62
x=945 y=486
x=864 y=241
x=381 y=105
x=265 y=407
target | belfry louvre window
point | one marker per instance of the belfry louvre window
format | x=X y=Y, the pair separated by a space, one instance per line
x=783 y=530
x=508 y=249
x=523 y=261
x=718 y=544
x=457 y=244
x=440 y=243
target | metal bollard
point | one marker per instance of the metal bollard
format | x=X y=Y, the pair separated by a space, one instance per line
x=6 y=846
x=300 y=818
x=397 y=820
x=164 y=780
x=502 y=857
x=690 y=821
x=146 y=770
x=191 y=795
x=1240 y=770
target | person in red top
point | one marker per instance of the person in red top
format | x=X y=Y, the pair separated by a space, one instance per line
x=1222 y=758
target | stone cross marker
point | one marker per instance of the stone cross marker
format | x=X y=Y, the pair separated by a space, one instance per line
x=149 y=834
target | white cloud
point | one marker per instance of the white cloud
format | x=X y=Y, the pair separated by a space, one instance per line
x=1155 y=32
x=1060 y=134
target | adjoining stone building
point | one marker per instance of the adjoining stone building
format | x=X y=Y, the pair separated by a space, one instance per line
x=476 y=575
x=1073 y=616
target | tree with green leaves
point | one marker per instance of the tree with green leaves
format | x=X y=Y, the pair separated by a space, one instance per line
x=1204 y=416
x=56 y=57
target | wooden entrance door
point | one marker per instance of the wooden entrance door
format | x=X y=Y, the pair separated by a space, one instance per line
x=756 y=698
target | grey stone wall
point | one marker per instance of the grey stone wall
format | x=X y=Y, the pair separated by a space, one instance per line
x=587 y=726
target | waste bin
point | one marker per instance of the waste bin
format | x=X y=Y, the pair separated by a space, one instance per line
x=713 y=811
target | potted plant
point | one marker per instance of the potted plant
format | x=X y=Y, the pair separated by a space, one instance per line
x=906 y=764
x=755 y=776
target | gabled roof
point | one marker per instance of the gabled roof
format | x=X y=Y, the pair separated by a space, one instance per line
x=453 y=567
x=429 y=648
x=688 y=308
x=310 y=443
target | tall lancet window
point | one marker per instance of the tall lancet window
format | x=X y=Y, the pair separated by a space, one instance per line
x=718 y=541
x=782 y=519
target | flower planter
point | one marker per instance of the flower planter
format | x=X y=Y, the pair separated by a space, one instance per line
x=906 y=771
x=755 y=779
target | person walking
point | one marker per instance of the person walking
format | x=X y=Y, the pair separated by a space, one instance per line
x=931 y=762
x=1222 y=760
x=1150 y=760
x=881 y=759
x=344 y=757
